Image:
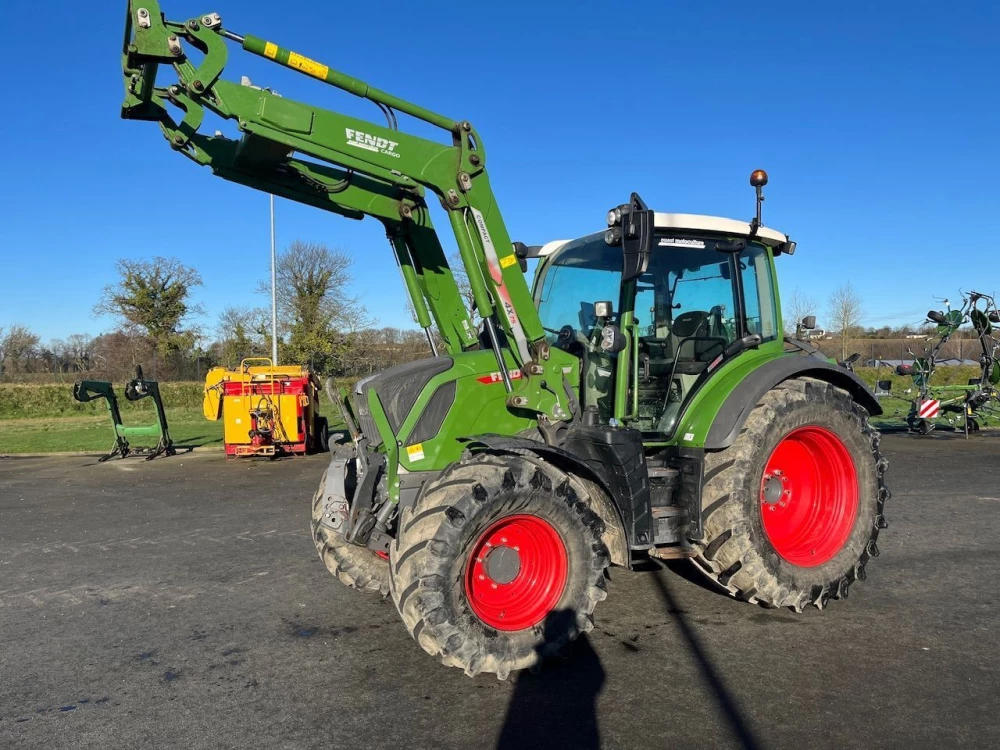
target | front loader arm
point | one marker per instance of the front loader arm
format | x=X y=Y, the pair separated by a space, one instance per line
x=369 y=170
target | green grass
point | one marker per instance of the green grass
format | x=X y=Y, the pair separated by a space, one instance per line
x=56 y=400
x=188 y=429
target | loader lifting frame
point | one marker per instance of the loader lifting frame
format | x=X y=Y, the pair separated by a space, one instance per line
x=379 y=172
x=135 y=390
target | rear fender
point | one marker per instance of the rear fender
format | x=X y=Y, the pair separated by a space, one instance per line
x=744 y=397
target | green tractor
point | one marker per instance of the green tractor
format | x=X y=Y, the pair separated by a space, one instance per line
x=640 y=403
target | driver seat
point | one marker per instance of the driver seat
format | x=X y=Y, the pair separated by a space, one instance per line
x=695 y=354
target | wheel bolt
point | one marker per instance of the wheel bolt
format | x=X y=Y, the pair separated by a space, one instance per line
x=503 y=539
x=482 y=578
x=494 y=585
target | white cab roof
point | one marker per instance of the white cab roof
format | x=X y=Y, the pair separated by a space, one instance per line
x=692 y=223
x=699 y=223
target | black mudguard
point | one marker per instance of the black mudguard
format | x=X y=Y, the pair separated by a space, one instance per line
x=744 y=397
x=611 y=510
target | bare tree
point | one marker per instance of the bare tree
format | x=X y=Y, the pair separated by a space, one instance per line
x=316 y=312
x=17 y=344
x=845 y=311
x=243 y=332
x=797 y=307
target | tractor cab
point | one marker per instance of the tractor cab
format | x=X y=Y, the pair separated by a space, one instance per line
x=705 y=293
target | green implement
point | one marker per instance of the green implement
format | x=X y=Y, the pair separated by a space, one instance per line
x=135 y=390
x=638 y=402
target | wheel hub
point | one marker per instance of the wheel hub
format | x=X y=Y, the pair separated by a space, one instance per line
x=502 y=564
x=773 y=490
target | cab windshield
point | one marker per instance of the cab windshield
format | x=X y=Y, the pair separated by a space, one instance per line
x=689 y=305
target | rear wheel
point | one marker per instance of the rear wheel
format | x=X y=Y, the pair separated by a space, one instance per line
x=793 y=508
x=322 y=438
x=354 y=566
x=499 y=563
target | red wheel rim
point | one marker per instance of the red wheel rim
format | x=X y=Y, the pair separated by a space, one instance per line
x=809 y=496
x=516 y=572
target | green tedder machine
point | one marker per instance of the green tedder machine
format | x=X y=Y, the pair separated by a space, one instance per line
x=639 y=402
x=960 y=406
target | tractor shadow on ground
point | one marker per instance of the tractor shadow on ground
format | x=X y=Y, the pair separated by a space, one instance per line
x=714 y=682
x=558 y=706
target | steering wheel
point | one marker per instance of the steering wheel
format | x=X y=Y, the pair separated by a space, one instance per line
x=567 y=336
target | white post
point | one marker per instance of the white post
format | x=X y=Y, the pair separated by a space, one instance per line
x=274 y=293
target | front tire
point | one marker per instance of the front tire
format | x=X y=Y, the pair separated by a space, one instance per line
x=499 y=564
x=793 y=508
x=356 y=567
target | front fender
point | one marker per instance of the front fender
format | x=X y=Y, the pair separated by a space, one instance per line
x=614 y=537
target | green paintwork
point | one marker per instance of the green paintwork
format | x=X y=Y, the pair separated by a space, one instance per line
x=478 y=408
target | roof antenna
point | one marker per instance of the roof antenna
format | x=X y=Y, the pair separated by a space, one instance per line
x=758 y=179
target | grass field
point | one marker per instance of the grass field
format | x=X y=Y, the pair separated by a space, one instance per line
x=188 y=428
x=44 y=418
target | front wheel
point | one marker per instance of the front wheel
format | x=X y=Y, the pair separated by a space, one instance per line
x=356 y=567
x=793 y=508
x=498 y=564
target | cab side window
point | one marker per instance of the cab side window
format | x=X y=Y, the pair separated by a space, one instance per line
x=758 y=292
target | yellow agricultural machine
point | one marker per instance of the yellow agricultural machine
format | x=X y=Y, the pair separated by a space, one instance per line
x=266 y=410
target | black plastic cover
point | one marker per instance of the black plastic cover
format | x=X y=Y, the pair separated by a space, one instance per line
x=398 y=388
x=432 y=417
x=618 y=456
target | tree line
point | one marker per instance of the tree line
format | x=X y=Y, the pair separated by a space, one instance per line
x=320 y=324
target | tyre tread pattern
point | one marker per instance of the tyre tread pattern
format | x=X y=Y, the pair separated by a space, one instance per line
x=356 y=567
x=727 y=553
x=494 y=484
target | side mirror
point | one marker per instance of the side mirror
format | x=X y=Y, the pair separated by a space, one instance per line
x=612 y=339
x=631 y=227
x=808 y=322
x=603 y=310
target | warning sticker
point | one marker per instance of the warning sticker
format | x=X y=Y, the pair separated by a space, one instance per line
x=415 y=452
x=508 y=261
x=310 y=67
x=271 y=50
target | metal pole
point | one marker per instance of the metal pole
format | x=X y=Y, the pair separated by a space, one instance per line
x=274 y=293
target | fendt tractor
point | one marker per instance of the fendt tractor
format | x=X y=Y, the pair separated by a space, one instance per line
x=639 y=404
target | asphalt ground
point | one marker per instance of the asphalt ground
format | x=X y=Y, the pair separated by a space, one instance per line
x=180 y=603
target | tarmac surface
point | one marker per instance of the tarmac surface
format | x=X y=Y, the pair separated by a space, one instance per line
x=180 y=603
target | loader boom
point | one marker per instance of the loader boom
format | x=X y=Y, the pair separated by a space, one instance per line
x=353 y=168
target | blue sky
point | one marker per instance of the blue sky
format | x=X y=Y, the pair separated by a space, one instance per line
x=879 y=124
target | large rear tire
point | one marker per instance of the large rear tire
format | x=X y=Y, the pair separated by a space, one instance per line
x=498 y=564
x=356 y=567
x=793 y=508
